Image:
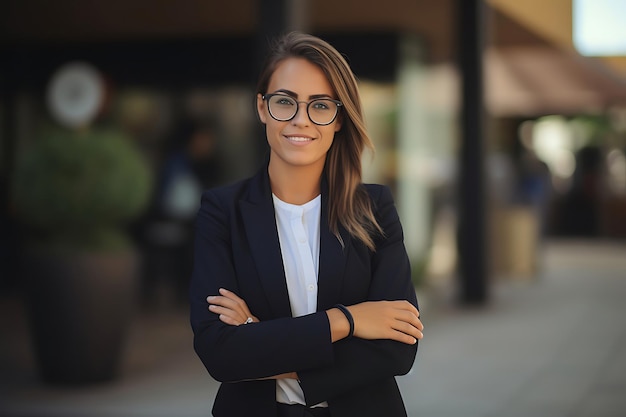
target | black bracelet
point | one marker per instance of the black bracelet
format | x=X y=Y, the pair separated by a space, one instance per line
x=348 y=315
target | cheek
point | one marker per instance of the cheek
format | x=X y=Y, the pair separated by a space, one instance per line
x=331 y=132
x=272 y=128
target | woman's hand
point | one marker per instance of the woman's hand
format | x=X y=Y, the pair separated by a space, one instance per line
x=231 y=308
x=394 y=320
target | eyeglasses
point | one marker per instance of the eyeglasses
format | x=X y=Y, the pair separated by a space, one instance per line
x=321 y=111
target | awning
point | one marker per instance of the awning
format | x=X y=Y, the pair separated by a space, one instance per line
x=533 y=80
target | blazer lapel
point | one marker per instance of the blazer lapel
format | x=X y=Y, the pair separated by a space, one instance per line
x=332 y=262
x=260 y=225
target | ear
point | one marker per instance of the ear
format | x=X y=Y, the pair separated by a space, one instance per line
x=261 y=108
x=338 y=122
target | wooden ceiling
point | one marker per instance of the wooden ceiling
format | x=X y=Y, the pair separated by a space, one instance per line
x=529 y=41
x=94 y=20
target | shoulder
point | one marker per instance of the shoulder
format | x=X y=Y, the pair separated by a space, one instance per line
x=218 y=207
x=254 y=191
x=226 y=197
x=385 y=212
x=379 y=194
x=229 y=190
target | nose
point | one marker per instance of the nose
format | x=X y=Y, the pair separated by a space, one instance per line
x=301 y=118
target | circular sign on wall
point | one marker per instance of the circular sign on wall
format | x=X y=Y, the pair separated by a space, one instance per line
x=75 y=94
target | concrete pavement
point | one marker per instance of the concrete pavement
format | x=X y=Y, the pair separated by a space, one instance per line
x=548 y=347
x=552 y=347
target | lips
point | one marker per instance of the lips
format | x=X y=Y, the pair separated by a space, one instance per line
x=299 y=139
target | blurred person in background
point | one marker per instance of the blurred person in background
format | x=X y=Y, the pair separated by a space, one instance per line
x=301 y=296
x=190 y=166
x=535 y=187
x=188 y=170
x=579 y=211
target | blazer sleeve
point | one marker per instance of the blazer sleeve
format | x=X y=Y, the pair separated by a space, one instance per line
x=359 y=362
x=258 y=350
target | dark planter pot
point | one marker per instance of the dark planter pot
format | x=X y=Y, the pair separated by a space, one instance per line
x=80 y=307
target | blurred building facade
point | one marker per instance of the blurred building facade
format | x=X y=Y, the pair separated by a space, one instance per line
x=555 y=136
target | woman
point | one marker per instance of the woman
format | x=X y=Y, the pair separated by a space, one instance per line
x=301 y=298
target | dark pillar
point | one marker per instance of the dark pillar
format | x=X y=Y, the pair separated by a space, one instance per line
x=10 y=240
x=273 y=22
x=472 y=218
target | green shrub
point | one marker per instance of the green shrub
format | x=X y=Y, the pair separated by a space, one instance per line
x=79 y=189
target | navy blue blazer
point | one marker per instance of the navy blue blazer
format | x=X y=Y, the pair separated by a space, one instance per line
x=237 y=248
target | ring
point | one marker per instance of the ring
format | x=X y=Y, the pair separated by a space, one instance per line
x=248 y=320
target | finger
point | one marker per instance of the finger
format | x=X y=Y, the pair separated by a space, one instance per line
x=231 y=295
x=408 y=329
x=217 y=309
x=229 y=320
x=405 y=305
x=237 y=316
x=236 y=299
x=413 y=331
x=403 y=338
x=225 y=312
x=419 y=326
x=410 y=318
x=218 y=299
x=226 y=292
x=225 y=302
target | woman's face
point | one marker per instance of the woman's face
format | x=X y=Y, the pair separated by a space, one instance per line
x=298 y=142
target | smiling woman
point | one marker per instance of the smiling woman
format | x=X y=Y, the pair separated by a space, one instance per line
x=301 y=295
x=295 y=139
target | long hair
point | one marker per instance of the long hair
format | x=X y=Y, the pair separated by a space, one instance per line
x=349 y=203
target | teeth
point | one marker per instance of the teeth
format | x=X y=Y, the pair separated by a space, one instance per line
x=298 y=139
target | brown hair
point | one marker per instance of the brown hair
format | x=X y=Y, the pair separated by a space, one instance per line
x=349 y=203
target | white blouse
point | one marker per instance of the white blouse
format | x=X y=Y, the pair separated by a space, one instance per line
x=299 y=237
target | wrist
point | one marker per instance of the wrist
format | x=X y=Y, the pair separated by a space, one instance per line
x=339 y=325
x=344 y=310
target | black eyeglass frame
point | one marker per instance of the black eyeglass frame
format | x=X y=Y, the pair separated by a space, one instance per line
x=267 y=97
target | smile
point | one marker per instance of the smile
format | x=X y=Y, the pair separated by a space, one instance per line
x=300 y=139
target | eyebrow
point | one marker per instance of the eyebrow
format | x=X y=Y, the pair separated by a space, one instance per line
x=295 y=95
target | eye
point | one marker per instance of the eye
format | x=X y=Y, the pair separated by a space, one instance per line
x=283 y=101
x=321 y=105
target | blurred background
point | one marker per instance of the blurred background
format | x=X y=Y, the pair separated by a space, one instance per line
x=499 y=124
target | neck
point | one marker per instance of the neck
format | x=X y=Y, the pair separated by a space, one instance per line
x=295 y=185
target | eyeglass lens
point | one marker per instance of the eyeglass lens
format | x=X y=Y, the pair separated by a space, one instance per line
x=320 y=111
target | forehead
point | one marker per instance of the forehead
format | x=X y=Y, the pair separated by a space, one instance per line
x=300 y=76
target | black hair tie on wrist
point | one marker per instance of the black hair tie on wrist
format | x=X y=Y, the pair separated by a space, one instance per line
x=348 y=315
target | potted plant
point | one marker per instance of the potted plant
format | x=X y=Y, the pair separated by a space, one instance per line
x=74 y=192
